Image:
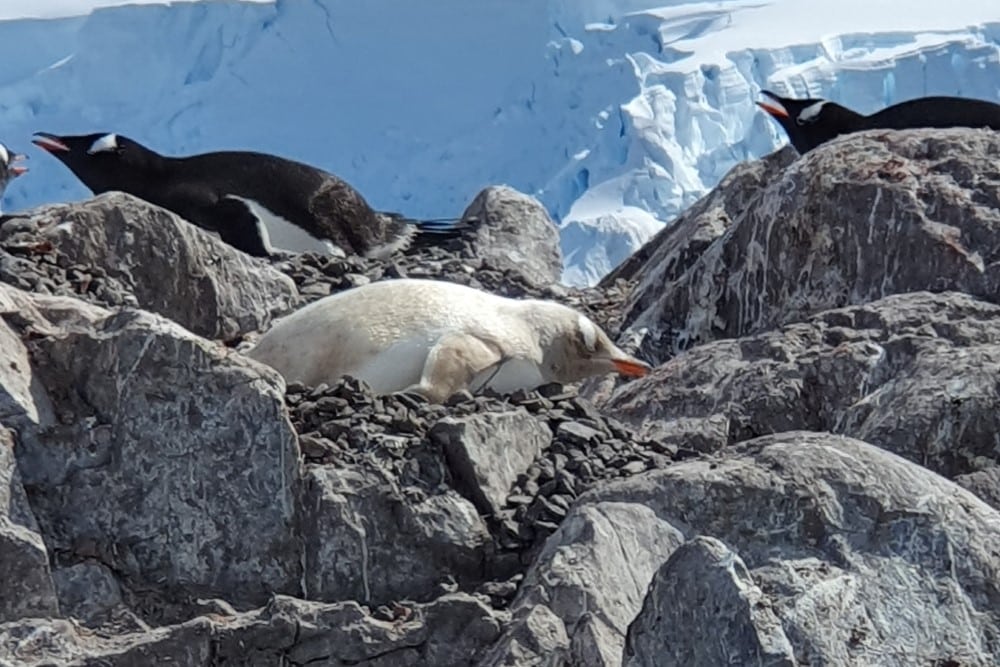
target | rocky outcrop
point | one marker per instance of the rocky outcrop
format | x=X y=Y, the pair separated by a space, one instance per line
x=840 y=544
x=157 y=453
x=914 y=374
x=449 y=631
x=778 y=491
x=675 y=248
x=116 y=250
x=593 y=574
x=869 y=215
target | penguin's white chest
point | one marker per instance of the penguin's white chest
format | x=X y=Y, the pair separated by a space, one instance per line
x=509 y=376
x=278 y=233
x=396 y=367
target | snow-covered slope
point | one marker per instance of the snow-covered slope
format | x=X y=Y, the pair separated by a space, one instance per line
x=616 y=113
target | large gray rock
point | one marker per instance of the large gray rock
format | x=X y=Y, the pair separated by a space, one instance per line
x=673 y=250
x=26 y=587
x=536 y=637
x=365 y=540
x=450 y=632
x=861 y=217
x=172 y=460
x=984 y=483
x=913 y=373
x=704 y=609
x=593 y=573
x=864 y=557
x=513 y=231
x=121 y=250
x=87 y=591
x=487 y=452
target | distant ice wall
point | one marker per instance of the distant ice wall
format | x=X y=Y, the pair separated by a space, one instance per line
x=591 y=105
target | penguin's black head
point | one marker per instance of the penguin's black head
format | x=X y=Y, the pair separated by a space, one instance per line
x=8 y=164
x=810 y=122
x=102 y=161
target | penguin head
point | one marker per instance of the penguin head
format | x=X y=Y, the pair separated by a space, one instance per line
x=103 y=161
x=810 y=122
x=574 y=348
x=9 y=167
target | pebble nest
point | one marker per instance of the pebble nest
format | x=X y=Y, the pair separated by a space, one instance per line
x=346 y=424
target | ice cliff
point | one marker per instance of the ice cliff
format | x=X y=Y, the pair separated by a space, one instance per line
x=617 y=114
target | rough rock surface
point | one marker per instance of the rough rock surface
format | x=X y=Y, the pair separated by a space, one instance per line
x=116 y=250
x=27 y=582
x=594 y=572
x=706 y=576
x=677 y=246
x=449 y=631
x=174 y=446
x=913 y=373
x=919 y=211
x=865 y=558
x=516 y=233
x=488 y=452
x=164 y=498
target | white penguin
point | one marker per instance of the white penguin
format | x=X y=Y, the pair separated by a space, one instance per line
x=436 y=338
x=9 y=170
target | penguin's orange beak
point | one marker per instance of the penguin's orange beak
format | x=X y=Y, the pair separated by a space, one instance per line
x=50 y=142
x=631 y=367
x=774 y=110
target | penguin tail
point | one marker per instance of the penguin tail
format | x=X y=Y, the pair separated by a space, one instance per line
x=405 y=233
x=436 y=227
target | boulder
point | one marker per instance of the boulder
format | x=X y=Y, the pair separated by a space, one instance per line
x=513 y=231
x=117 y=250
x=366 y=540
x=593 y=573
x=487 y=453
x=703 y=608
x=535 y=637
x=165 y=453
x=914 y=374
x=859 y=218
x=863 y=557
x=26 y=588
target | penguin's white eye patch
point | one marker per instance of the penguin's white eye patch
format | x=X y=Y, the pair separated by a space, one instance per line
x=108 y=142
x=4 y=155
x=811 y=113
x=589 y=333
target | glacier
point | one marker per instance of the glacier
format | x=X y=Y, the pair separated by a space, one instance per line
x=616 y=114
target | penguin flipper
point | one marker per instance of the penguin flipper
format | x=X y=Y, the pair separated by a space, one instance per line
x=238 y=226
x=452 y=364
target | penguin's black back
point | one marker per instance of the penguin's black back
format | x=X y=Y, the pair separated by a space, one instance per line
x=936 y=112
x=319 y=202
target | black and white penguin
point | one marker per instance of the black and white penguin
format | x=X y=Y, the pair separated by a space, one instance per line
x=811 y=122
x=256 y=202
x=9 y=169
